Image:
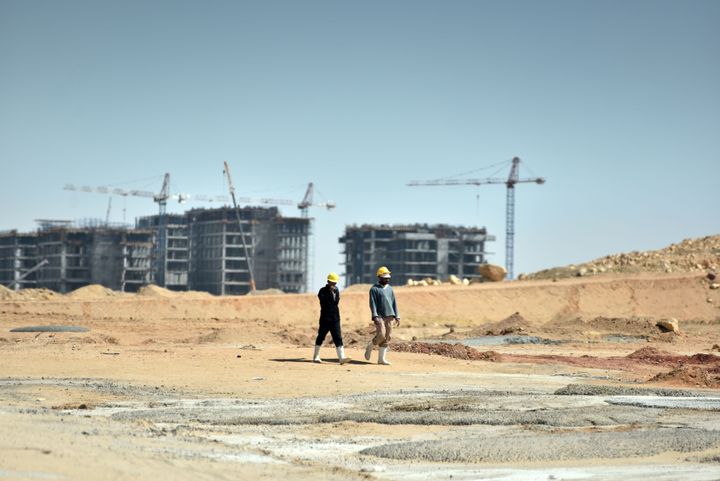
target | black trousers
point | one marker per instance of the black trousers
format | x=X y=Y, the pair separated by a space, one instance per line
x=333 y=327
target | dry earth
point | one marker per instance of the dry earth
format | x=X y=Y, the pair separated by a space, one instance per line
x=541 y=379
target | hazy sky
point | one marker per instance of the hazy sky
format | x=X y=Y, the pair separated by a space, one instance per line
x=616 y=103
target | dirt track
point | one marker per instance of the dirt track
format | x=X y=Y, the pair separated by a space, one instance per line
x=191 y=386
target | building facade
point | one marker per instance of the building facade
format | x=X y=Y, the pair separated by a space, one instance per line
x=277 y=248
x=413 y=251
x=203 y=251
x=171 y=261
x=18 y=256
x=73 y=257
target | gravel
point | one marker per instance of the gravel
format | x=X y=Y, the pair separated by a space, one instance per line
x=558 y=447
x=599 y=390
x=456 y=408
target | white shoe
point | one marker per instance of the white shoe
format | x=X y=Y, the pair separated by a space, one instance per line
x=341 y=355
x=381 y=356
x=316 y=355
x=368 y=350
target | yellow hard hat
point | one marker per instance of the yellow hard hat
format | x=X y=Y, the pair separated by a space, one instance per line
x=332 y=277
x=383 y=272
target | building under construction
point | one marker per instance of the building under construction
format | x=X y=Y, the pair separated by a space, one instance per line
x=18 y=255
x=202 y=250
x=63 y=257
x=170 y=261
x=413 y=251
x=276 y=245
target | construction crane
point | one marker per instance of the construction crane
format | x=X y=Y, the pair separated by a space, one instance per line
x=240 y=226
x=308 y=201
x=164 y=195
x=161 y=198
x=512 y=179
x=304 y=206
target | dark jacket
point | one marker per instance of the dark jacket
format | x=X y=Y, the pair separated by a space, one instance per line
x=382 y=302
x=329 y=311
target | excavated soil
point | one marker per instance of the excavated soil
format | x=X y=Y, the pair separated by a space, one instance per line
x=690 y=255
x=169 y=385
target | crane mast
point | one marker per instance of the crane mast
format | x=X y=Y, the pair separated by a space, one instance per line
x=240 y=226
x=304 y=206
x=512 y=179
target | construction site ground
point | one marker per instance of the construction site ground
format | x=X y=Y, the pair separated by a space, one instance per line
x=540 y=379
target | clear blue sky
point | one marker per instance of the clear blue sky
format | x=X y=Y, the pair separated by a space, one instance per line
x=616 y=103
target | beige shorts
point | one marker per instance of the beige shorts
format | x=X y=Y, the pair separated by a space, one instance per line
x=383 y=331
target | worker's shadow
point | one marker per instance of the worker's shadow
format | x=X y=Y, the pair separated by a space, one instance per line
x=329 y=361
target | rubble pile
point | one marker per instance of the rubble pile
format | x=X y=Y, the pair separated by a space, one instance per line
x=429 y=281
x=690 y=255
x=455 y=351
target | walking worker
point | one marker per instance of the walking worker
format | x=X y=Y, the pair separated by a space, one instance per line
x=384 y=311
x=330 y=319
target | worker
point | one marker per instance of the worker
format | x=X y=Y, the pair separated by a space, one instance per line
x=330 y=319
x=384 y=310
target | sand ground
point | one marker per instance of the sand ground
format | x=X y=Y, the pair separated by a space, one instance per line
x=194 y=387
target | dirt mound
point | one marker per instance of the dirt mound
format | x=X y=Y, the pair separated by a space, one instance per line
x=701 y=358
x=688 y=256
x=266 y=292
x=93 y=291
x=690 y=376
x=653 y=356
x=358 y=288
x=156 y=291
x=513 y=324
x=641 y=327
x=6 y=293
x=697 y=370
x=35 y=295
x=455 y=351
x=195 y=294
x=297 y=338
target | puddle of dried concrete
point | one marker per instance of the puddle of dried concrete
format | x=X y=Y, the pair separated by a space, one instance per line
x=496 y=340
x=513 y=339
x=288 y=443
x=663 y=472
x=699 y=403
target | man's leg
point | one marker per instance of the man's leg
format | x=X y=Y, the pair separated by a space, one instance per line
x=377 y=339
x=379 y=335
x=336 y=334
x=387 y=322
x=322 y=333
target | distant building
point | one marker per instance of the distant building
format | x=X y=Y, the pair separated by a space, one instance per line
x=203 y=251
x=18 y=255
x=413 y=251
x=276 y=245
x=117 y=258
x=174 y=266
